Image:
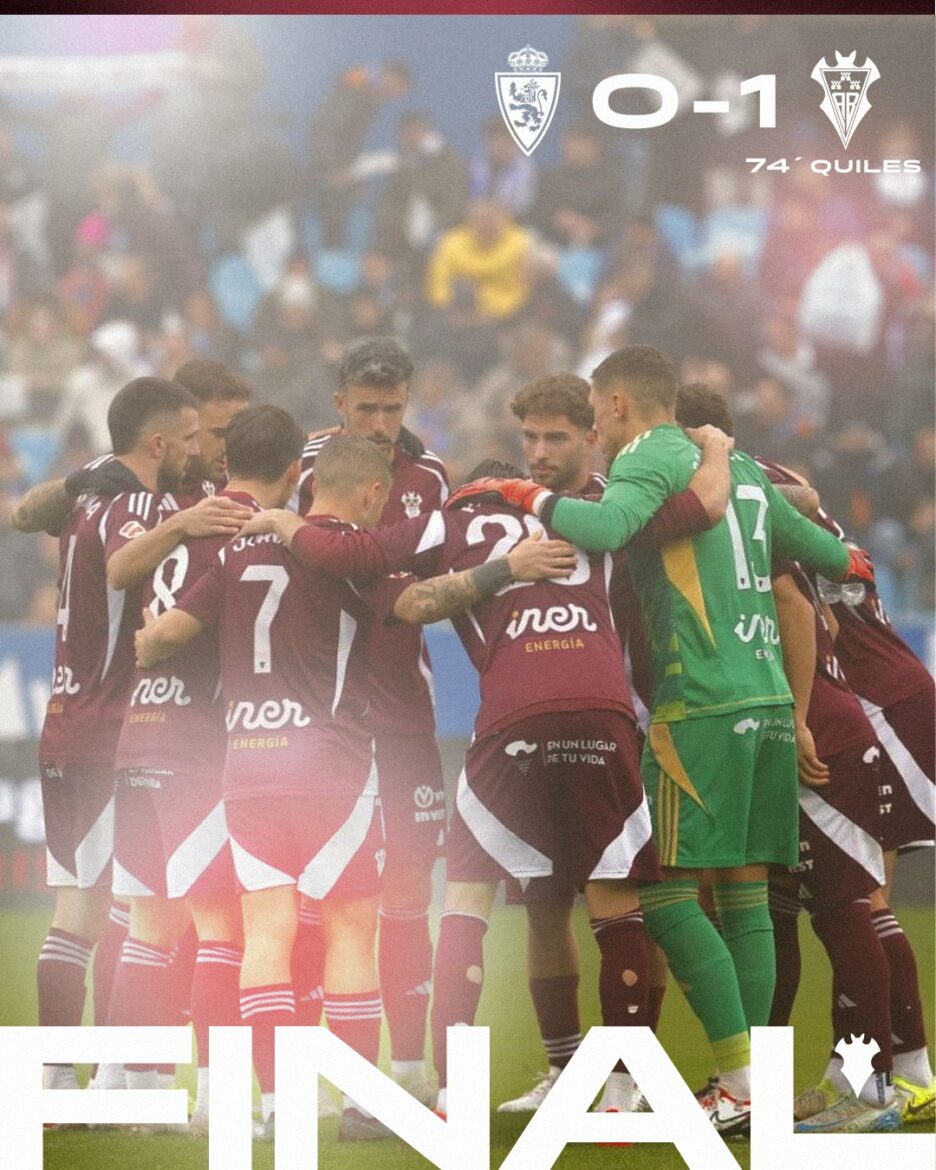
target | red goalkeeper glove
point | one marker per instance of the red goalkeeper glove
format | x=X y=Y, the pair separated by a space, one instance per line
x=860 y=567
x=516 y=493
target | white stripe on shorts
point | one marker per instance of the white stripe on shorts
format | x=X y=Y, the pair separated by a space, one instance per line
x=322 y=873
x=94 y=853
x=196 y=853
x=618 y=858
x=517 y=856
x=850 y=838
x=919 y=785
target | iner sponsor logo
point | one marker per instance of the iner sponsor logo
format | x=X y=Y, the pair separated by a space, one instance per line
x=160 y=690
x=748 y=628
x=557 y=619
x=269 y=716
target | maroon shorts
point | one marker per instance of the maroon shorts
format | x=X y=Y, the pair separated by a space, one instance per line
x=841 y=828
x=412 y=796
x=327 y=846
x=78 y=807
x=170 y=836
x=554 y=793
x=908 y=742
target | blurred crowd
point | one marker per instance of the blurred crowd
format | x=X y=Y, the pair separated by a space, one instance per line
x=808 y=300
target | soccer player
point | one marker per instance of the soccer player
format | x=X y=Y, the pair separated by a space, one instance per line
x=559 y=448
x=300 y=785
x=719 y=694
x=153 y=427
x=497 y=637
x=840 y=871
x=172 y=856
x=374 y=378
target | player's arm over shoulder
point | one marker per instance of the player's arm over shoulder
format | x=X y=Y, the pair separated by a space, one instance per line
x=642 y=476
x=799 y=539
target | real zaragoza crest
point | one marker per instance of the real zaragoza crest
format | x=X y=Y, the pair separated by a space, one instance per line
x=846 y=86
x=527 y=97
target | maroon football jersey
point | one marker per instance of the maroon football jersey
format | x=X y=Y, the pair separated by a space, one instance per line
x=399 y=669
x=175 y=719
x=293 y=655
x=538 y=646
x=878 y=664
x=189 y=494
x=94 y=630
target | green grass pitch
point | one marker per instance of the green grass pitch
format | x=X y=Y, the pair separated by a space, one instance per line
x=515 y=1054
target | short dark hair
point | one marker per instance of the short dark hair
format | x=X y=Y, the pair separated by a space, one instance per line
x=212 y=381
x=139 y=403
x=556 y=394
x=347 y=462
x=261 y=442
x=375 y=361
x=651 y=377
x=496 y=468
x=698 y=405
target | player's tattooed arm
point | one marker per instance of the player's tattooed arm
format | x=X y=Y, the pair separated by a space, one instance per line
x=437 y=598
x=44 y=508
x=712 y=480
x=161 y=637
x=797 y=621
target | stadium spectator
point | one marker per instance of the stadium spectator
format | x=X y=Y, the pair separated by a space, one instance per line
x=581 y=200
x=338 y=131
x=424 y=196
x=486 y=253
x=790 y=359
x=286 y=342
x=41 y=351
x=85 y=287
x=500 y=172
x=113 y=360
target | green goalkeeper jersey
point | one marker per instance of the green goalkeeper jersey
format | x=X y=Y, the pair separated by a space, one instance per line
x=706 y=600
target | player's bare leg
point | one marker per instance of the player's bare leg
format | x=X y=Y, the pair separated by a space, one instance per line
x=459 y=966
x=216 y=983
x=913 y=1072
x=76 y=925
x=624 y=979
x=267 y=1000
x=353 y=1006
x=405 y=965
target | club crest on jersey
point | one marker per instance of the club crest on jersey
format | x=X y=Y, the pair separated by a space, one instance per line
x=845 y=86
x=527 y=97
x=132 y=529
x=412 y=504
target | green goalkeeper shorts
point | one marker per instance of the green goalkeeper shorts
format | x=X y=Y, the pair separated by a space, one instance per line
x=723 y=789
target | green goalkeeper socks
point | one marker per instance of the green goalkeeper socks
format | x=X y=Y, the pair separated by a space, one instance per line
x=748 y=932
x=701 y=962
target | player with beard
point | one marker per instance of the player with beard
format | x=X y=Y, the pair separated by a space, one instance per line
x=374 y=378
x=153 y=425
x=218 y=394
x=693 y=595
x=559 y=445
x=172 y=857
x=300 y=785
x=436 y=542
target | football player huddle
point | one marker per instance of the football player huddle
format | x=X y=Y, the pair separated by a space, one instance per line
x=694 y=712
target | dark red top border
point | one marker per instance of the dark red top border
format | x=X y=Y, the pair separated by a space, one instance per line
x=533 y=8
